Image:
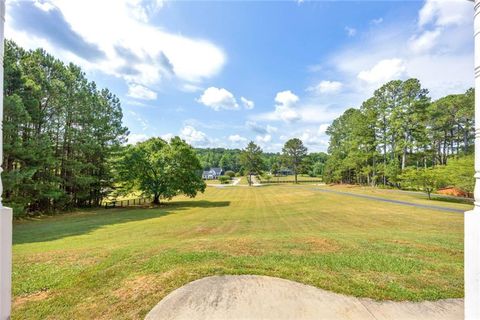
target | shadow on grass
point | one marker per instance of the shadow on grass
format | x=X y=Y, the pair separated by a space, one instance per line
x=68 y=225
x=452 y=199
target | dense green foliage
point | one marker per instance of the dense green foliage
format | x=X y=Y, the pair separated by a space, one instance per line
x=230 y=173
x=396 y=128
x=224 y=179
x=252 y=160
x=227 y=159
x=160 y=170
x=294 y=152
x=59 y=132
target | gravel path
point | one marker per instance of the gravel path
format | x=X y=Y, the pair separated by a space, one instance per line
x=260 y=297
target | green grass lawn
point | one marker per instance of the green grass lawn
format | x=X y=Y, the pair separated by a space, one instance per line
x=118 y=263
x=414 y=197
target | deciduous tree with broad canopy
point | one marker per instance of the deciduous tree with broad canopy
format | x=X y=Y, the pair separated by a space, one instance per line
x=160 y=170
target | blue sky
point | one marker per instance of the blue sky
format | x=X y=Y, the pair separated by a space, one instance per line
x=221 y=73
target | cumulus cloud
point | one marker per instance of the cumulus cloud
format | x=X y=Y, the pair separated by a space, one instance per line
x=237 y=138
x=218 y=99
x=383 y=71
x=135 y=138
x=326 y=87
x=247 y=104
x=194 y=137
x=284 y=108
x=263 y=139
x=286 y=98
x=138 y=91
x=74 y=30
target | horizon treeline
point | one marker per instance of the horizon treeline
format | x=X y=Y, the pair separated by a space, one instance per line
x=59 y=132
x=399 y=127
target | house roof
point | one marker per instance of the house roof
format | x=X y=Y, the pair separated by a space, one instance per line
x=217 y=170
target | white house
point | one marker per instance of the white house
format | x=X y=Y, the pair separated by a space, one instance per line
x=213 y=173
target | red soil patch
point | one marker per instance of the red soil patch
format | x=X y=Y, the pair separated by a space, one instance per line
x=452 y=191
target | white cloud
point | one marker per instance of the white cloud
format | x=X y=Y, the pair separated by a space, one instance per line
x=284 y=108
x=134 y=49
x=351 y=32
x=218 y=98
x=194 y=137
x=142 y=11
x=237 y=138
x=263 y=139
x=323 y=128
x=326 y=86
x=376 y=21
x=438 y=51
x=425 y=42
x=252 y=125
x=138 y=91
x=383 y=71
x=286 y=98
x=188 y=87
x=247 y=104
x=445 y=13
x=312 y=112
x=134 y=138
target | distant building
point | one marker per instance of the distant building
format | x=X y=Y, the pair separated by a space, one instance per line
x=213 y=173
x=285 y=172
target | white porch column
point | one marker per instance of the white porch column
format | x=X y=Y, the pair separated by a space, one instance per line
x=5 y=213
x=472 y=218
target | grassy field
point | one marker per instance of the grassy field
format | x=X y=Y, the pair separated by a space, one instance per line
x=118 y=263
x=414 y=197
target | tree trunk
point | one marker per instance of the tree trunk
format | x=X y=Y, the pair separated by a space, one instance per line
x=156 y=199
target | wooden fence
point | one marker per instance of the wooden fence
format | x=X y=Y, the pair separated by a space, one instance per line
x=290 y=181
x=126 y=203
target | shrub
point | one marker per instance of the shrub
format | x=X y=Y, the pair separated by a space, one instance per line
x=224 y=179
x=230 y=173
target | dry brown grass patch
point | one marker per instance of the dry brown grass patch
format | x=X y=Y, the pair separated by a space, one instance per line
x=32 y=297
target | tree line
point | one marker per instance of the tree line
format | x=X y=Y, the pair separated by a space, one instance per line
x=398 y=129
x=59 y=133
x=313 y=163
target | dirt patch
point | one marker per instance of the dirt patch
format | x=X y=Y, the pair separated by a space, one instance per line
x=232 y=246
x=452 y=191
x=322 y=245
x=301 y=246
x=60 y=257
x=32 y=297
x=202 y=230
x=132 y=289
